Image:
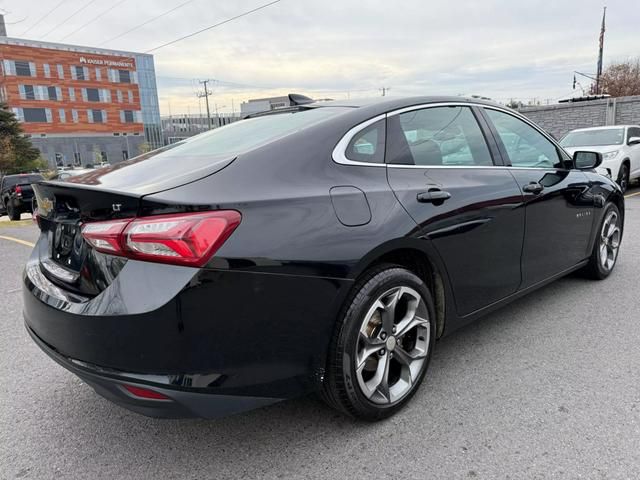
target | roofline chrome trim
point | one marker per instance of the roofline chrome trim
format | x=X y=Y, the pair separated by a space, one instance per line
x=339 y=152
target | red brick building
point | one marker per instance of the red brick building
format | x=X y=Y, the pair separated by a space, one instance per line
x=81 y=105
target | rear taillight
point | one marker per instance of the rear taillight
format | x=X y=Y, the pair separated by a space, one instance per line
x=188 y=239
x=18 y=190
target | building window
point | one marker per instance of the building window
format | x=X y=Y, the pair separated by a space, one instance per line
x=130 y=96
x=119 y=95
x=25 y=69
x=37 y=115
x=53 y=93
x=60 y=71
x=98 y=74
x=47 y=70
x=126 y=116
x=97 y=116
x=63 y=118
x=74 y=115
x=124 y=76
x=27 y=92
x=19 y=114
x=72 y=94
x=91 y=94
x=79 y=73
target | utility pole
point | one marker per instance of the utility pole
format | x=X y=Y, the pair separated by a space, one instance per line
x=206 y=94
x=384 y=91
x=600 y=49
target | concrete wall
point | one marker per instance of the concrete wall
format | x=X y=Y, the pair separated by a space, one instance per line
x=561 y=118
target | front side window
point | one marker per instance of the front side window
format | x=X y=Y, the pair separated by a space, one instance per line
x=594 y=138
x=368 y=144
x=525 y=146
x=437 y=136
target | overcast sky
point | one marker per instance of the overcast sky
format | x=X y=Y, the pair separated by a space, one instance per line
x=338 y=48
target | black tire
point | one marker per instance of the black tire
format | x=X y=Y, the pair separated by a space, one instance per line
x=623 y=177
x=596 y=269
x=341 y=389
x=13 y=212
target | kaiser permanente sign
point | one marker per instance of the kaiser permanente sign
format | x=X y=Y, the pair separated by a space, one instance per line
x=108 y=63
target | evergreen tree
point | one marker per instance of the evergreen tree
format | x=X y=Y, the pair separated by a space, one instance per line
x=16 y=152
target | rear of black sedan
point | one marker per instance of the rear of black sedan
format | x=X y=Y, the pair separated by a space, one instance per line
x=166 y=284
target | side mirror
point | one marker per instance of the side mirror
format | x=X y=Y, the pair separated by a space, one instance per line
x=587 y=160
x=633 y=141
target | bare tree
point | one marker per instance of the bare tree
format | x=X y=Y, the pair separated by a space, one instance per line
x=622 y=79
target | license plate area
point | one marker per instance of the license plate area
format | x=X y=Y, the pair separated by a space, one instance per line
x=67 y=247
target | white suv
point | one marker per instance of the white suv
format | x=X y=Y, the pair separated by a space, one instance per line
x=619 y=145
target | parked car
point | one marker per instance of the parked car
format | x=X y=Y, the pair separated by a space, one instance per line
x=16 y=194
x=619 y=145
x=318 y=248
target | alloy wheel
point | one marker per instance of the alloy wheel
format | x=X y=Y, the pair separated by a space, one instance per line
x=609 y=241
x=393 y=345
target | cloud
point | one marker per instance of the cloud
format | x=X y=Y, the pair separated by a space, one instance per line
x=338 y=48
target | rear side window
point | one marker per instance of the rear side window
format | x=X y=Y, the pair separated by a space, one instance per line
x=368 y=144
x=526 y=147
x=437 y=136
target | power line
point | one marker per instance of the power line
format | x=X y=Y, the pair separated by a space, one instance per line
x=92 y=20
x=70 y=17
x=42 y=18
x=214 y=26
x=147 y=22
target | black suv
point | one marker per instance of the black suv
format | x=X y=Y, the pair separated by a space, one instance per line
x=16 y=194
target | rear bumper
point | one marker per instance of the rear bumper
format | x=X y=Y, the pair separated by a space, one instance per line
x=210 y=336
x=181 y=403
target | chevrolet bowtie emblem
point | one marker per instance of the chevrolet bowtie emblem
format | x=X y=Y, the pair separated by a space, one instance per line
x=45 y=206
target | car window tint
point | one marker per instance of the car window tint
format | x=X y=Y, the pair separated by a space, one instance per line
x=444 y=136
x=368 y=144
x=525 y=146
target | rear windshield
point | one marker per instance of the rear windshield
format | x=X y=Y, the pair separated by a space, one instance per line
x=594 y=138
x=9 y=182
x=246 y=134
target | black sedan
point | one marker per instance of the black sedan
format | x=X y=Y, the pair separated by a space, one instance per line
x=318 y=248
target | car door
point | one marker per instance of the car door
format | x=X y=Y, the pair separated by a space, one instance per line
x=440 y=166
x=559 y=206
x=634 y=151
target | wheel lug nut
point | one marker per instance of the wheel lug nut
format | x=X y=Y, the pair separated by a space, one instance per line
x=382 y=352
x=394 y=330
x=383 y=335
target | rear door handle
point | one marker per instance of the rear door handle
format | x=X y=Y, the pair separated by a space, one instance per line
x=533 y=187
x=434 y=195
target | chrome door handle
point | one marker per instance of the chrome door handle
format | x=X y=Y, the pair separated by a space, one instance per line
x=434 y=195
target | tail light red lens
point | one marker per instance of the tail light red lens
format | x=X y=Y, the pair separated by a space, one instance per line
x=189 y=239
x=18 y=190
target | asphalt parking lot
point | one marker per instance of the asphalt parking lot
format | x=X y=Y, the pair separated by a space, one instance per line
x=547 y=387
